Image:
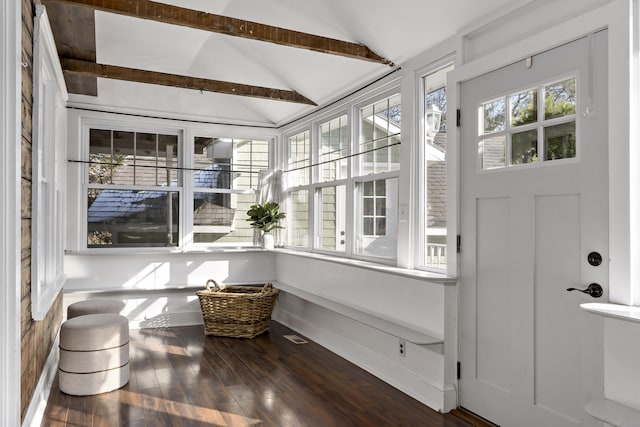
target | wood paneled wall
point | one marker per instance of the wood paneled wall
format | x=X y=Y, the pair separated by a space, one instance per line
x=37 y=337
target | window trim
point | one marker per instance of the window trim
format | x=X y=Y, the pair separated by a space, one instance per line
x=49 y=169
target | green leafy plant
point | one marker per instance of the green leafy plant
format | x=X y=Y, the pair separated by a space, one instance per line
x=265 y=216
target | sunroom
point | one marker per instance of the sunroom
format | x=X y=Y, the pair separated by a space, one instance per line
x=449 y=172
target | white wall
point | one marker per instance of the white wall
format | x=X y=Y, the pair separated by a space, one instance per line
x=160 y=290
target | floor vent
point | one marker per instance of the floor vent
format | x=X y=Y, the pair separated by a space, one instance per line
x=295 y=339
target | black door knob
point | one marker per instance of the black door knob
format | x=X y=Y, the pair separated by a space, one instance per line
x=593 y=289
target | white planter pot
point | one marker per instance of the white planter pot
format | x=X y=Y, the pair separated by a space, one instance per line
x=267 y=241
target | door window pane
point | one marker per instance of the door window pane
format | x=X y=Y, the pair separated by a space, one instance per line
x=493 y=152
x=524 y=147
x=493 y=115
x=560 y=141
x=524 y=108
x=560 y=99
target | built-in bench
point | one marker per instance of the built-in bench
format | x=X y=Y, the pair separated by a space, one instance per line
x=390 y=326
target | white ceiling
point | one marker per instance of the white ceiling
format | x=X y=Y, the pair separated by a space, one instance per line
x=397 y=30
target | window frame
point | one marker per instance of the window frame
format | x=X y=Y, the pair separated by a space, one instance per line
x=179 y=189
x=289 y=189
x=186 y=131
x=317 y=184
x=353 y=112
x=191 y=189
x=540 y=124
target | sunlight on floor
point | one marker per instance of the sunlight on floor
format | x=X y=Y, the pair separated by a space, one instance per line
x=186 y=410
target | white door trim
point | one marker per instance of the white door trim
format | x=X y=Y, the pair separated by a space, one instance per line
x=10 y=189
x=623 y=82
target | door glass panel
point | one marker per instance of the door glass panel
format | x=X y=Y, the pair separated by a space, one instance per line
x=524 y=147
x=493 y=152
x=560 y=141
x=524 y=108
x=493 y=114
x=560 y=99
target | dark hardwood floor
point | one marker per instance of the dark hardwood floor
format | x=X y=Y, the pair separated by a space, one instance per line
x=179 y=377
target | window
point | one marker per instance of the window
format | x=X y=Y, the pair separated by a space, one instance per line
x=526 y=128
x=342 y=181
x=331 y=173
x=433 y=245
x=133 y=196
x=299 y=159
x=298 y=175
x=49 y=170
x=225 y=180
x=141 y=192
x=332 y=218
x=334 y=149
x=380 y=136
x=376 y=179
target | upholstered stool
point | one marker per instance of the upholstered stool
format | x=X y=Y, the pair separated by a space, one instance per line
x=94 y=354
x=94 y=306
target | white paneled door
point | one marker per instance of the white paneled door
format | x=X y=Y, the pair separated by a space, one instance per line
x=534 y=205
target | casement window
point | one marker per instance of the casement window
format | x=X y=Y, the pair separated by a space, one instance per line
x=529 y=127
x=432 y=253
x=141 y=192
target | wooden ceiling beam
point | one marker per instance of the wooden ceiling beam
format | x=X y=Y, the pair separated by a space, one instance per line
x=88 y=68
x=161 y=12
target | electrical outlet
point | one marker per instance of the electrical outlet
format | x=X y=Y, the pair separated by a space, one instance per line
x=403 y=348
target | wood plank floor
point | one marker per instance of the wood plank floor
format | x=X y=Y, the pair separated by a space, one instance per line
x=179 y=377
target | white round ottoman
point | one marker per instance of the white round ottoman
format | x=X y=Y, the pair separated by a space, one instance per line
x=94 y=354
x=94 y=306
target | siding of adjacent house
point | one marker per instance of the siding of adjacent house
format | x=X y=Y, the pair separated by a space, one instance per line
x=37 y=337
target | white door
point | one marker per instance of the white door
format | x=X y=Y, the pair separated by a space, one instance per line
x=534 y=205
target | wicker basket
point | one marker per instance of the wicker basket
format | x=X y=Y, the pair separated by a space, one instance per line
x=236 y=311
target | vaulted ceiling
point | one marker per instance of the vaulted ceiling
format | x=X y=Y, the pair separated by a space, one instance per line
x=234 y=60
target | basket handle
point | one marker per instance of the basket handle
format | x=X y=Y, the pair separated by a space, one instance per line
x=267 y=287
x=216 y=287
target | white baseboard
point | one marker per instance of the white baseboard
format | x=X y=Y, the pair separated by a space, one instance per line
x=35 y=412
x=439 y=397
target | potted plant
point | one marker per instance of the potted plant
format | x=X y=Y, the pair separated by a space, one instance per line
x=266 y=217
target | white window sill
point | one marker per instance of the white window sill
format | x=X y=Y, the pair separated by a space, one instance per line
x=161 y=251
x=415 y=274
x=614 y=311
